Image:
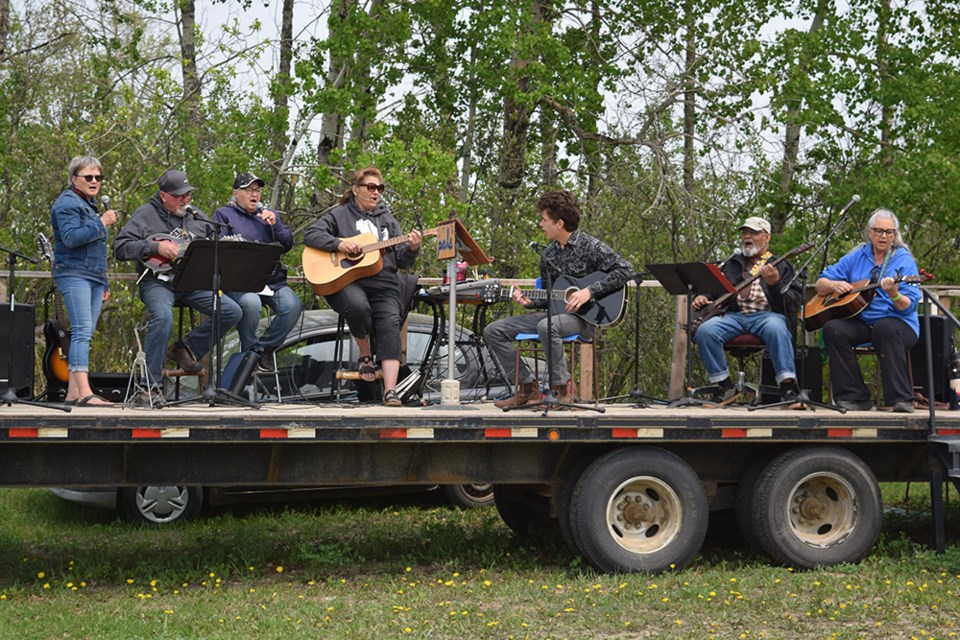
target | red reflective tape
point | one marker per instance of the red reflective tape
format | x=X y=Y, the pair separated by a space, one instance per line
x=145 y=433
x=947 y=432
x=624 y=433
x=729 y=432
x=23 y=432
x=273 y=433
x=839 y=433
x=393 y=434
x=498 y=433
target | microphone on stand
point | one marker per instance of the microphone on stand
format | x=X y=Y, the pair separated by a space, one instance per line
x=536 y=246
x=193 y=211
x=854 y=200
x=736 y=252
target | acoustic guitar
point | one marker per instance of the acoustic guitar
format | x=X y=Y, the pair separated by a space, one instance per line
x=822 y=309
x=600 y=312
x=330 y=272
x=719 y=306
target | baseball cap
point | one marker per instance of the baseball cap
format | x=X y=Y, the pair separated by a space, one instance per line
x=174 y=182
x=756 y=223
x=244 y=180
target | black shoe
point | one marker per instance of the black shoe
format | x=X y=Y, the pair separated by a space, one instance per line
x=903 y=407
x=179 y=353
x=854 y=405
x=725 y=392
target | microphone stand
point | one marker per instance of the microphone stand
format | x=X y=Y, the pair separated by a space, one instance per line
x=803 y=399
x=550 y=400
x=10 y=393
x=636 y=393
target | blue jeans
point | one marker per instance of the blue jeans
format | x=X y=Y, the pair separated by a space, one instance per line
x=769 y=326
x=159 y=299
x=286 y=306
x=82 y=300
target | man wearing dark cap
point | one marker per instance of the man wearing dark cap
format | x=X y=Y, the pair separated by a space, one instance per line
x=247 y=217
x=761 y=309
x=155 y=236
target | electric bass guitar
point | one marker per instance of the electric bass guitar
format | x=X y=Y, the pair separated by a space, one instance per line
x=330 y=272
x=600 y=312
x=822 y=309
x=718 y=306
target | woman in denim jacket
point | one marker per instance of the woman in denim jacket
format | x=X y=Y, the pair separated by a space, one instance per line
x=80 y=268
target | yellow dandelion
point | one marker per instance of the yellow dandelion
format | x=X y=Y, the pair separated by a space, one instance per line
x=279 y=569
x=41 y=575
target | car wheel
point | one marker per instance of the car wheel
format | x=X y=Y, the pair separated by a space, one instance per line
x=161 y=505
x=469 y=496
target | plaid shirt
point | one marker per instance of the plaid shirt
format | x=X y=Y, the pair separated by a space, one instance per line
x=582 y=255
x=752 y=298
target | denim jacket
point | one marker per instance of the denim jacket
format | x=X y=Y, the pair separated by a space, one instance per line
x=80 y=239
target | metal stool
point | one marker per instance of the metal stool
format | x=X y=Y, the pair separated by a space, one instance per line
x=529 y=344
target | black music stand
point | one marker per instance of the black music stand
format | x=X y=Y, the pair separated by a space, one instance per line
x=250 y=265
x=690 y=279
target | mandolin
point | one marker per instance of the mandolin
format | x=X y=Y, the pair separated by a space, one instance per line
x=822 y=309
x=330 y=272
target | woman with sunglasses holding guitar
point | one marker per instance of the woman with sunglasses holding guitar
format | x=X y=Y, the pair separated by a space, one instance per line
x=80 y=268
x=889 y=321
x=371 y=302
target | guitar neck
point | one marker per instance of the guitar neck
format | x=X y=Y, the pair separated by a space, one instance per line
x=389 y=242
x=743 y=284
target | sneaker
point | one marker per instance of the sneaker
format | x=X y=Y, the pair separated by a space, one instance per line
x=725 y=392
x=903 y=407
x=265 y=365
x=855 y=405
x=180 y=353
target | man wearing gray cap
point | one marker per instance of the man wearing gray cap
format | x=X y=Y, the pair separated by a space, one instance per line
x=155 y=236
x=761 y=309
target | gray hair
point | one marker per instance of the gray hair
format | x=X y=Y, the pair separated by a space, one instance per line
x=81 y=162
x=885 y=214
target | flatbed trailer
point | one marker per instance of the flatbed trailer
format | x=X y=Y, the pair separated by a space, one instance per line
x=630 y=489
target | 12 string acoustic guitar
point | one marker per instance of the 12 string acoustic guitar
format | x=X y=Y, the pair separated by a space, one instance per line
x=330 y=272
x=822 y=309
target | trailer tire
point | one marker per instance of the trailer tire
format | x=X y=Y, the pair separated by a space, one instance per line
x=817 y=506
x=520 y=514
x=156 y=505
x=639 y=509
x=469 y=496
x=744 y=502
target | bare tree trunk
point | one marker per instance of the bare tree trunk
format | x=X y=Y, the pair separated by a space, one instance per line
x=281 y=101
x=548 y=145
x=4 y=27
x=680 y=346
x=883 y=73
x=468 y=136
x=791 y=142
x=188 y=58
x=332 y=125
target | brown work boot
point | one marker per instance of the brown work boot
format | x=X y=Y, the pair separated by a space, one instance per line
x=180 y=353
x=563 y=393
x=521 y=397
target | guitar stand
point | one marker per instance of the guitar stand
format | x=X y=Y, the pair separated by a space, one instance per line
x=140 y=372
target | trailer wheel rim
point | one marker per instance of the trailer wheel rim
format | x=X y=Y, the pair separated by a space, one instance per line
x=162 y=504
x=822 y=510
x=644 y=514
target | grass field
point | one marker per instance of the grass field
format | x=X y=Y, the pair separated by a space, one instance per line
x=410 y=568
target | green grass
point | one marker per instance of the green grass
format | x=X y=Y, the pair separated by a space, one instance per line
x=410 y=568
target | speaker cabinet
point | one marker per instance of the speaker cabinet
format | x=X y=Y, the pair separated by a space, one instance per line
x=943 y=344
x=22 y=357
x=811 y=371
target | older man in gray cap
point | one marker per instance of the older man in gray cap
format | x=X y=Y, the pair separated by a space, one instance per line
x=762 y=309
x=154 y=236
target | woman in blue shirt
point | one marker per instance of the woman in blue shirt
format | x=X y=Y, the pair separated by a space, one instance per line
x=80 y=268
x=889 y=322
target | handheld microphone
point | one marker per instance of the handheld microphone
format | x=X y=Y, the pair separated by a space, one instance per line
x=854 y=200
x=105 y=199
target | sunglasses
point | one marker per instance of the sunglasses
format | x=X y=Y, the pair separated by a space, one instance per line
x=373 y=186
x=92 y=177
x=883 y=232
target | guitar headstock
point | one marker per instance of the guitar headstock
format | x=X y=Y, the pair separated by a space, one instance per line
x=44 y=247
x=490 y=293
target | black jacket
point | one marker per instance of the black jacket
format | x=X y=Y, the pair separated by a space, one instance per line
x=786 y=303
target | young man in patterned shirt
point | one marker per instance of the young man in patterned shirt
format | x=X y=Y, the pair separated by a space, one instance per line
x=571 y=253
x=762 y=309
